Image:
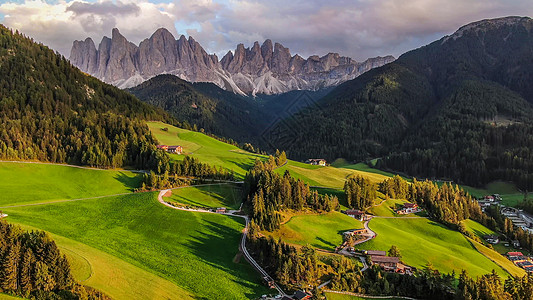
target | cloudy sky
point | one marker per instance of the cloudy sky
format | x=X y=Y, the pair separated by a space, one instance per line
x=356 y=28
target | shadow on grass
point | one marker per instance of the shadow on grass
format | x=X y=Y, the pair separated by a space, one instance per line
x=129 y=182
x=217 y=246
x=328 y=243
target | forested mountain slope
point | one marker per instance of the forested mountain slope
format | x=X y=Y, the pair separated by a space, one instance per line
x=51 y=111
x=458 y=108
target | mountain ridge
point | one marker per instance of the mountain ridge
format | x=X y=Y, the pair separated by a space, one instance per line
x=262 y=69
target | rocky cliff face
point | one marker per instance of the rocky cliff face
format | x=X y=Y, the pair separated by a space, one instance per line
x=261 y=69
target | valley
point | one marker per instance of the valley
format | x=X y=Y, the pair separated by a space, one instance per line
x=264 y=175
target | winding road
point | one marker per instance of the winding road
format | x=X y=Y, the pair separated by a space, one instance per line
x=232 y=213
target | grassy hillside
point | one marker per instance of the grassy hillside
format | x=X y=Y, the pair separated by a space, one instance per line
x=215 y=152
x=51 y=111
x=24 y=183
x=114 y=276
x=322 y=231
x=422 y=241
x=223 y=195
x=205 y=148
x=168 y=243
x=499 y=259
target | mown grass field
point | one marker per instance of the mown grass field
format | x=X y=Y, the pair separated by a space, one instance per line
x=114 y=276
x=24 y=183
x=319 y=230
x=220 y=195
x=192 y=250
x=206 y=149
x=422 y=241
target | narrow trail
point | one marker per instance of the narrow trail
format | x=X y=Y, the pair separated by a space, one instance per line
x=233 y=213
x=72 y=166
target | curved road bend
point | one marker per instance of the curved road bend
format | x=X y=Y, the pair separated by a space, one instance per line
x=243 y=240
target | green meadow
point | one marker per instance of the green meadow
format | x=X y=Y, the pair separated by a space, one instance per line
x=206 y=149
x=25 y=183
x=422 y=241
x=114 y=276
x=220 y=195
x=138 y=230
x=319 y=230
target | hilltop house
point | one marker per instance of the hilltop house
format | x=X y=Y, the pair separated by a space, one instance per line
x=316 y=161
x=171 y=149
x=408 y=208
x=356 y=214
x=390 y=264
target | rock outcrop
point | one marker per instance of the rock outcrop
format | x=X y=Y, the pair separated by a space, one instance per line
x=261 y=69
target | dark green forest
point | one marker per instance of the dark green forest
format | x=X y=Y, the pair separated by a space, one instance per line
x=50 y=111
x=267 y=193
x=31 y=266
x=459 y=108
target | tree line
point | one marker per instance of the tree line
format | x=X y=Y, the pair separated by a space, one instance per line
x=50 y=111
x=31 y=266
x=267 y=193
x=360 y=192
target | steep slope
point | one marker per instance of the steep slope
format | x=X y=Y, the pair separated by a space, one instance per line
x=225 y=113
x=458 y=108
x=220 y=112
x=50 y=111
x=266 y=69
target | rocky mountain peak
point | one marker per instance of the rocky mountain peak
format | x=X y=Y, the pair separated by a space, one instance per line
x=263 y=68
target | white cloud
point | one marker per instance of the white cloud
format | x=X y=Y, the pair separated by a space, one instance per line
x=357 y=28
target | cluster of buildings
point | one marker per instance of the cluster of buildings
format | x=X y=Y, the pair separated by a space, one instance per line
x=357 y=214
x=387 y=263
x=489 y=200
x=519 y=218
x=520 y=260
x=316 y=161
x=171 y=149
x=408 y=208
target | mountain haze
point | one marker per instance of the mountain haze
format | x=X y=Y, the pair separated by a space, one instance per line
x=262 y=69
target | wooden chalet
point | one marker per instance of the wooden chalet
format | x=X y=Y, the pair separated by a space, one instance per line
x=316 y=161
x=171 y=149
x=408 y=208
x=175 y=149
x=390 y=264
x=221 y=210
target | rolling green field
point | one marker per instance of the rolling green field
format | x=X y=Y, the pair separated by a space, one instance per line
x=510 y=194
x=24 y=183
x=114 y=276
x=496 y=257
x=422 y=241
x=322 y=231
x=326 y=176
x=166 y=242
x=217 y=153
x=206 y=149
x=477 y=229
x=220 y=195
